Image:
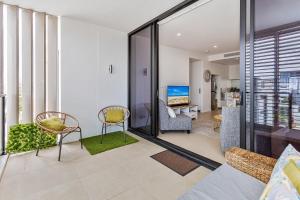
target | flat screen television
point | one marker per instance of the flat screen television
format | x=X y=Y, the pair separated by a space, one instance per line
x=178 y=95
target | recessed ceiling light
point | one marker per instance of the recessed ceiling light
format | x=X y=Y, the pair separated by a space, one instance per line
x=178 y=34
x=215 y=46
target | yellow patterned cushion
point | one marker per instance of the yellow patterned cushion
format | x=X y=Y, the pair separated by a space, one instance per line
x=53 y=123
x=293 y=173
x=114 y=115
x=280 y=185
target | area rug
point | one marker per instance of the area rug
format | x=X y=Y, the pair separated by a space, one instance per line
x=177 y=163
x=110 y=141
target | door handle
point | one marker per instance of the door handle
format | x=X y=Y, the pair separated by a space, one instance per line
x=241 y=98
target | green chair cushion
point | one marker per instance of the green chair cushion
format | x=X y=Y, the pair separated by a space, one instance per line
x=53 y=123
x=114 y=115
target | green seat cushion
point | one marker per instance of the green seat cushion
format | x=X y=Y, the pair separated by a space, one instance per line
x=53 y=123
x=114 y=115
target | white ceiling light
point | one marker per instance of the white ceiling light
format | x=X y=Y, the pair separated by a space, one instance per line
x=178 y=34
x=184 y=11
x=215 y=46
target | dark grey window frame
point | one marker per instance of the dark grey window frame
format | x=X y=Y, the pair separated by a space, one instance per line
x=154 y=84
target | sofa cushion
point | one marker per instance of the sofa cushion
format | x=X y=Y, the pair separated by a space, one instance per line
x=171 y=112
x=282 y=184
x=226 y=183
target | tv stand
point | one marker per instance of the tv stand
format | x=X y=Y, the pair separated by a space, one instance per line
x=188 y=110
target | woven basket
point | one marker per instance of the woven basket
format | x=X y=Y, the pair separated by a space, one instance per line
x=254 y=164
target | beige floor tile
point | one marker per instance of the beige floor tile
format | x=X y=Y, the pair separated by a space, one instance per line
x=203 y=140
x=69 y=191
x=135 y=193
x=15 y=166
x=107 y=183
x=195 y=176
x=26 y=184
x=123 y=173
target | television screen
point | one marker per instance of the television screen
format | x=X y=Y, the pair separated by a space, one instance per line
x=178 y=95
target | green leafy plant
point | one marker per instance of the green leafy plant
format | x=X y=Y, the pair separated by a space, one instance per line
x=26 y=137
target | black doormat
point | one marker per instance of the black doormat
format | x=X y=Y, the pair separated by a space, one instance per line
x=177 y=163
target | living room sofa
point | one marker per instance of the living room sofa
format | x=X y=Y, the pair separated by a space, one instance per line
x=166 y=123
x=242 y=177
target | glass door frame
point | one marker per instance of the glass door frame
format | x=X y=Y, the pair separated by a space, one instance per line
x=210 y=164
x=246 y=21
x=154 y=80
x=243 y=40
x=154 y=66
x=247 y=37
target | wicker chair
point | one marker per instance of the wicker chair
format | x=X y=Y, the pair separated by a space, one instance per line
x=71 y=123
x=105 y=124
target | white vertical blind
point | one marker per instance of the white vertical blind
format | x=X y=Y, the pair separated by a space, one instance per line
x=11 y=64
x=26 y=65
x=51 y=63
x=39 y=63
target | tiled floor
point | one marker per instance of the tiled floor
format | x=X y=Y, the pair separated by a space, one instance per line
x=203 y=139
x=123 y=173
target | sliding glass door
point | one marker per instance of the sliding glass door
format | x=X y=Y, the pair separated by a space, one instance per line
x=272 y=76
x=142 y=94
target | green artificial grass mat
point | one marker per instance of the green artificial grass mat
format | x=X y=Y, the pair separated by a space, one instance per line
x=110 y=141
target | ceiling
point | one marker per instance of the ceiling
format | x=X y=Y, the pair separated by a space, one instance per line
x=267 y=15
x=124 y=15
x=215 y=23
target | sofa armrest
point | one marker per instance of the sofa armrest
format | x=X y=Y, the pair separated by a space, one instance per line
x=256 y=165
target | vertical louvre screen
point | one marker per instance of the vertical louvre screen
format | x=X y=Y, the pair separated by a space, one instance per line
x=51 y=63
x=277 y=89
x=28 y=63
x=264 y=81
x=289 y=76
x=10 y=58
x=25 y=66
x=2 y=126
x=1 y=50
x=39 y=99
x=277 y=79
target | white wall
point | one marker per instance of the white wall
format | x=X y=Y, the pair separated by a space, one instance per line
x=87 y=50
x=234 y=71
x=195 y=82
x=174 y=69
x=217 y=69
